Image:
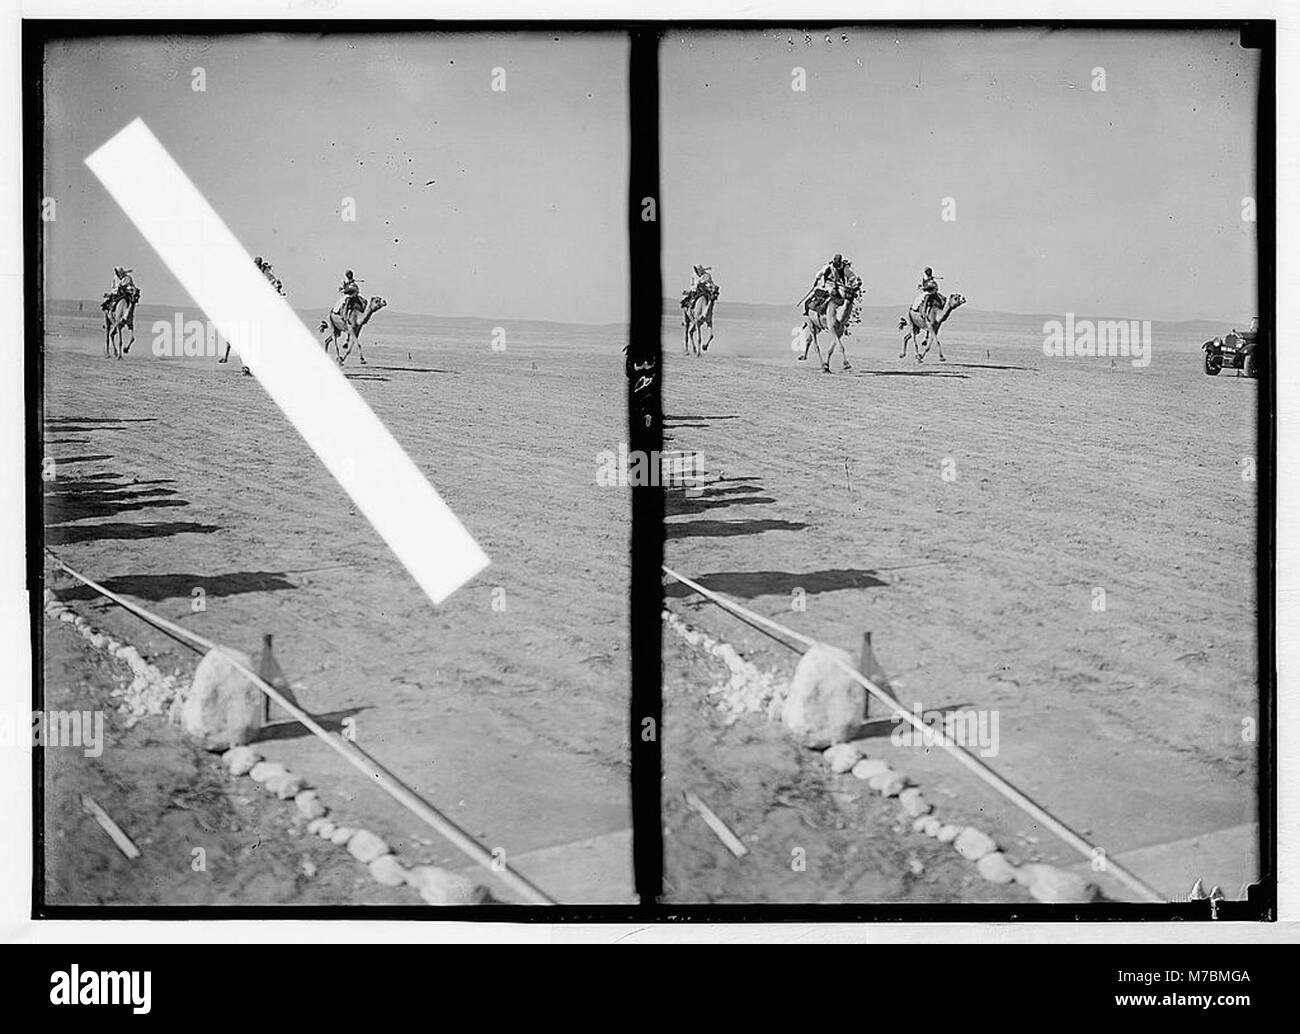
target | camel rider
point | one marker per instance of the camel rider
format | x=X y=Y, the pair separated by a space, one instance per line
x=122 y=287
x=929 y=292
x=833 y=278
x=702 y=280
x=349 y=294
x=702 y=286
x=269 y=273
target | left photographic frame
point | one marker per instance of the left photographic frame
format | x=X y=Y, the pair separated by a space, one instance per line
x=325 y=366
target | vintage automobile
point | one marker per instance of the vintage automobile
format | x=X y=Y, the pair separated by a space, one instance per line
x=1237 y=350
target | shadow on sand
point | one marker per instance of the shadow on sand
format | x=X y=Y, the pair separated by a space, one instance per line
x=751 y=584
x=724 y=529
x=157 y=587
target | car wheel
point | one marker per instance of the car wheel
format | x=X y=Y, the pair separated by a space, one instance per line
x=1213 y=364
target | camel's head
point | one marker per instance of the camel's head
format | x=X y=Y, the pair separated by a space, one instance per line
x=956 y=300
x=376 y=303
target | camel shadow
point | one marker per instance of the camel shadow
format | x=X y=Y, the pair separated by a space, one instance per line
x=994 y=366
x=671 y=422
x=412 y=369
x=932 y=371
x=70 y=534
x=752 y=584
x=676 y=502
x=93 y=423
x=100 y=495
x=726 y=529
x=158 y=587
x=88 y=458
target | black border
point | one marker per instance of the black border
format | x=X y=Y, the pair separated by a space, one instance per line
x=647 y=503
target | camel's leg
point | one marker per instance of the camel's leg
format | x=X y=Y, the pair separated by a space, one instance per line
x=351 y=341
x=938 y=344
x=818 y=349
x=686 y=335
x=836 y=342
x=360 y=354
x=710 y=341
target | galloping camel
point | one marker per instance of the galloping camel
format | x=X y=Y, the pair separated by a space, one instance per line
x=823 y=318
x=913 y=324
x=696 y=316
x=333 y=325
x=120 y=314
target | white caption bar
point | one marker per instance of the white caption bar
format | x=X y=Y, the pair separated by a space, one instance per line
x=287 y=361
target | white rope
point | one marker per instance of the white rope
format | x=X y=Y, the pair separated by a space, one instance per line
x=346 y=749
x=956 y=750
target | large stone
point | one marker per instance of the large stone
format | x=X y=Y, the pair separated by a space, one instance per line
x=824 y=704
x=223 y=708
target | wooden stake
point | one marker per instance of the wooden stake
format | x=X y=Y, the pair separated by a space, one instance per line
x=110 y=827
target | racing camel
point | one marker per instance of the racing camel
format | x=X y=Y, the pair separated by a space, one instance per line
x=913 y=324
x=119 y=315
x=697 y=314
x=821 y=317
x=350 y=323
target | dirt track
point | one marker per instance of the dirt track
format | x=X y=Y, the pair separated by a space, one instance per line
x=174 y=475
x=1067 y=477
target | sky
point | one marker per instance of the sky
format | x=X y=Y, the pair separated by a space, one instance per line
x=469 y=201
x=1123 y=203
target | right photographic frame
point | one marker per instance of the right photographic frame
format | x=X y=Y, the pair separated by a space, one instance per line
x=967 y=400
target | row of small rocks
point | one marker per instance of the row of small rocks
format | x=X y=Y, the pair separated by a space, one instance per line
x=747 y=689
x=149 y=692
x=435 y=885
x=1044 y=882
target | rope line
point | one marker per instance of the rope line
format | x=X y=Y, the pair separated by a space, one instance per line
x=956 y=750
x=346 y=749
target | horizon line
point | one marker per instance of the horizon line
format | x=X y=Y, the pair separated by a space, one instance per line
x=669 y=307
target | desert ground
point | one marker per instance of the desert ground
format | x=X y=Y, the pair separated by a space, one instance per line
x=178 y=477
x=1066 y=476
